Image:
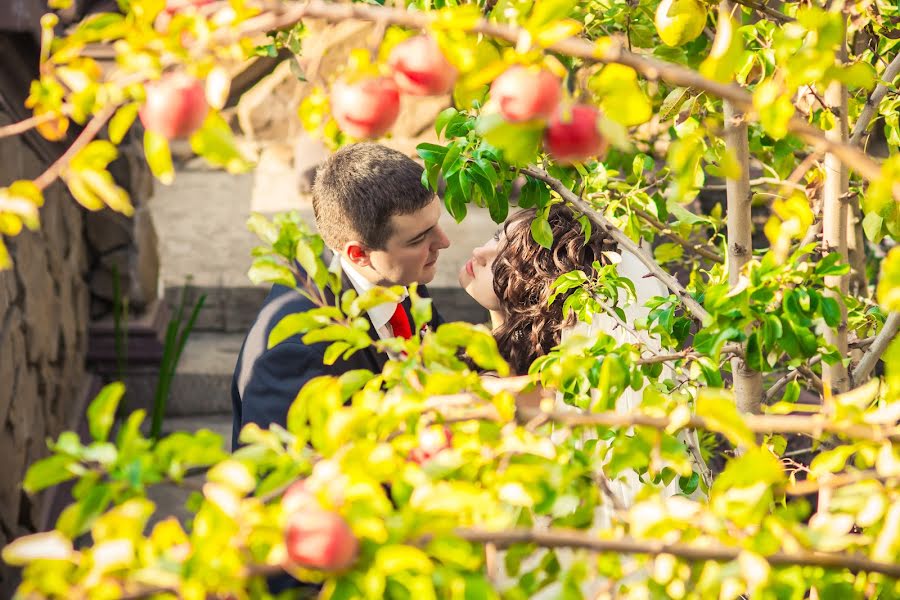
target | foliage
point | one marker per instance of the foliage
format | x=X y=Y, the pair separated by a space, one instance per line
x=542 y=484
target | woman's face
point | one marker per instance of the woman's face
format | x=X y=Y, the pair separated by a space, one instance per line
x=477 y=275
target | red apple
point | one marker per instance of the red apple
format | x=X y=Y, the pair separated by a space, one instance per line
x=366 y=108
x=297 y=497
x=173 y=6
x=572 y=135
x=525 y=93
x=420 y=68
x=320 y=539
x=175 y=106
x=432 y=441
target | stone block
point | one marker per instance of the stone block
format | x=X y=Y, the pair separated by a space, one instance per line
x=107 y=230
x=12 y=342
x=40 y=302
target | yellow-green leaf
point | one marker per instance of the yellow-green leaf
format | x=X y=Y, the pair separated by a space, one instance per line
x=122 y=121
x=102 y=410
x=717 y=408
x=215 y=142
x=159 y=157
x=889 y=283
x=620 y=96
x=727 y=52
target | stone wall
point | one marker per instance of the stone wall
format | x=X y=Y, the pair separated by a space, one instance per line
x=43 y=340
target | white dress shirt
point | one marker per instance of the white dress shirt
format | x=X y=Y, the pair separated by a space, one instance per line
x=379 y=315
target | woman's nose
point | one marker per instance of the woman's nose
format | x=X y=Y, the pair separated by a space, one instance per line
x=479 y=254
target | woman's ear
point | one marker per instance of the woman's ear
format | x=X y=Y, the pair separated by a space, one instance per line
x=357 y=253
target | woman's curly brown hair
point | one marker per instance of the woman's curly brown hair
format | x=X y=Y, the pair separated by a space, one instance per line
x=523 y=273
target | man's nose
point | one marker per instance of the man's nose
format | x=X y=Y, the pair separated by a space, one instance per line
x=441 y=239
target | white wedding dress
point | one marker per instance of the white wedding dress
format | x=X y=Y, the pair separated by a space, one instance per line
x=626 y=486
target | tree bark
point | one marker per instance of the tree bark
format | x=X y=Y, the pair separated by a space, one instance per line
x=748 y=390
x=835 y=211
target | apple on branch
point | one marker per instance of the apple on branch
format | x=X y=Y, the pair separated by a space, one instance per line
x=320 y=539
x=174 y=6
x=432 y=441
x=525 y=93
x=679 y=21
x=366 y=108
x=572 y=134
x=420 y=68
x=175 y=106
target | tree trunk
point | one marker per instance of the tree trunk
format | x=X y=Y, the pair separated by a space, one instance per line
x=835 y=210
x=748 y=391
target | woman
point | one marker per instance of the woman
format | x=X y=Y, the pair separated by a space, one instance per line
x=511 y=276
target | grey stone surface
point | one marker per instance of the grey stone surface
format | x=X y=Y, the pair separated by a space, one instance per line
x=202 y=381
x=43 y=325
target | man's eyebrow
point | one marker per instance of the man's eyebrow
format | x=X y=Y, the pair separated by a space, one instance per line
x=420 y=234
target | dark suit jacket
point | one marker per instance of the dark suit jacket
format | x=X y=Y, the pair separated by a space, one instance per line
x=266 y=381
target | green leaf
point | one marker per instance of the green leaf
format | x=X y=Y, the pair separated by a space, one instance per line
x=442 y=119
x=159 y=158
x=122 y=121
x=266 y=270
x=48 y=472
x=519 y=142
x=548 y=11
x=688 y=485
x=718 y=409
x=673 y=102
x=102 y=411
x=775 y=108
x=831 y=311
x=872 y=226
x=668 y=252
x=541 y=231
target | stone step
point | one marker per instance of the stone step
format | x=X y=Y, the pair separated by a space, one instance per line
x=202 y=381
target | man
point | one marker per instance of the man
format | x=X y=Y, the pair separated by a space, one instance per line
x=381 y=223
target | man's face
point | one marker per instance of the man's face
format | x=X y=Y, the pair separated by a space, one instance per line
x=410 y=254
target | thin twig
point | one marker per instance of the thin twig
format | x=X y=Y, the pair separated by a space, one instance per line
x=879 y=345
x=809 y=486
x=26 y=124
x=623 y=240
x=874 y=99
x=667 y=231
x=765 y=10
x=561 y=538
x=87 y=134
x=815 y=424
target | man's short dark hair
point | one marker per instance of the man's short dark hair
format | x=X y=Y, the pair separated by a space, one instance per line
x=359 y=188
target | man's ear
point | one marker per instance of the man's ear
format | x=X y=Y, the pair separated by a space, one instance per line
x=357 y=253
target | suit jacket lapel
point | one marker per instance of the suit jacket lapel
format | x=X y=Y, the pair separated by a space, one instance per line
x=376 y=360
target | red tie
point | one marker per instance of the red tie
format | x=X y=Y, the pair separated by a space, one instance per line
x=400 y=323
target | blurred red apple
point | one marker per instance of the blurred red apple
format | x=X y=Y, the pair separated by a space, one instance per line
x=366 y=108
x=320 y=539
x=175 y=106
x=432 y=441
x=173 y=6
x=420 y=68
x=298 y=497
x=572 y=134
x=525 y=93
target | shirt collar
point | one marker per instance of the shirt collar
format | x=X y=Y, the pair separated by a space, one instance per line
x=381 y=314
